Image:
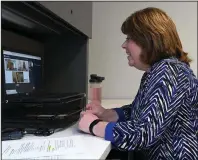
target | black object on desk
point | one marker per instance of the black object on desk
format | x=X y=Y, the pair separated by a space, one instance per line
x=15 y=134
x=12 y=135
x=42 y=113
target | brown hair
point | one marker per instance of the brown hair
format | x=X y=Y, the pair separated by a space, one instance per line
x=154 y=31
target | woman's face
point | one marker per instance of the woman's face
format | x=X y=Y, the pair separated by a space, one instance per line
x=133 y=51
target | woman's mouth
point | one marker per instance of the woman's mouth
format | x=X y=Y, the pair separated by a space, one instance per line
x=128 y=53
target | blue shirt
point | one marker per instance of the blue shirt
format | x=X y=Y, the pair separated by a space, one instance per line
x=163 y=118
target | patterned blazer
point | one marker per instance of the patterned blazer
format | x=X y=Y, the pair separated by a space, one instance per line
x=163 y=118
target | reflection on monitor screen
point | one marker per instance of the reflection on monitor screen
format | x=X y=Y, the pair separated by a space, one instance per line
x=22 y=72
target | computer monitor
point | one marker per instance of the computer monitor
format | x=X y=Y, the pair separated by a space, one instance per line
x=22 y=72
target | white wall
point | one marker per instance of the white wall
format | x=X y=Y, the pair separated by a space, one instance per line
x=107 y=58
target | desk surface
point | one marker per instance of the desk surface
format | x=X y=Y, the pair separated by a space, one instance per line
x=99 y=147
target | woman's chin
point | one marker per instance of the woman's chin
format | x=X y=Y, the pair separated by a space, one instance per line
x=131 y=64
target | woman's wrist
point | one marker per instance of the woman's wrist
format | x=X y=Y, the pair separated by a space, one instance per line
x=99 y=129
x=101 y=114
x=109 y=115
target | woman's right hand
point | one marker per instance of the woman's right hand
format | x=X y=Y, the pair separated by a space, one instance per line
x=95 y=108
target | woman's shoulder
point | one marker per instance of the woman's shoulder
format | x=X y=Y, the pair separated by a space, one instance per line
x=172 y=71
x=171 y=66
x=164 y=68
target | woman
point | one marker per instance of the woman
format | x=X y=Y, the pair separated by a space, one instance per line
x=162 y=119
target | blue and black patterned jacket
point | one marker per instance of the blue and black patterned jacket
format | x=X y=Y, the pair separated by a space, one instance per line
x=163 y=118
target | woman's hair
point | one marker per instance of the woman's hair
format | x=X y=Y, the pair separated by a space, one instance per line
x=154 y=31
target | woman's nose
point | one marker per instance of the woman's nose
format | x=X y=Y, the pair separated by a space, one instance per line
x=124 y=45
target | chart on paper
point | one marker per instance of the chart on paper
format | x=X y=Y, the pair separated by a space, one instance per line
x=56 y=148
x=55 y=157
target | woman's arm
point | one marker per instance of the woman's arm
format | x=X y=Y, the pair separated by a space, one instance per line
x=109 y=115
x=115 y=114
x=161 y=104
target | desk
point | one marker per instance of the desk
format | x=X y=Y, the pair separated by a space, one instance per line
x=99 y=147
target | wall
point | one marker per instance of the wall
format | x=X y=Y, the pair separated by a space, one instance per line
x=107 y=58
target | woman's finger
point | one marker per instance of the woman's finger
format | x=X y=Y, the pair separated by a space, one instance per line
x=82 y=113
x=89 y=106
x=89 y=111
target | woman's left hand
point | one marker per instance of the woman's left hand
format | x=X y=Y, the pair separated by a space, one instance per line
x=85 y=121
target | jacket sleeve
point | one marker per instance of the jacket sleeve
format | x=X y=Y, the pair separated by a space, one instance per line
x=124 y=112
x=160 y=105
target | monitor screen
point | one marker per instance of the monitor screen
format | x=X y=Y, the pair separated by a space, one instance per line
x=23 y=72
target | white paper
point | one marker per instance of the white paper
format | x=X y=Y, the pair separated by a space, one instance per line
x=52 y=148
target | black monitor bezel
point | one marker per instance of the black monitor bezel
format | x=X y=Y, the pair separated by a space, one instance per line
x=4 y=96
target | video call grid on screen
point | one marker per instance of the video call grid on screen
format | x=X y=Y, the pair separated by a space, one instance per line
x=22 y=71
